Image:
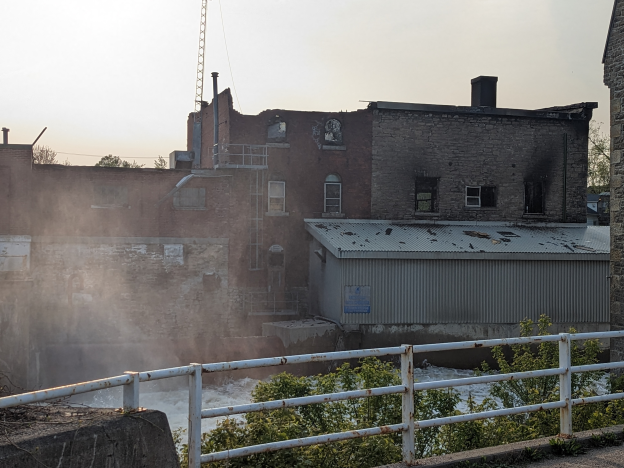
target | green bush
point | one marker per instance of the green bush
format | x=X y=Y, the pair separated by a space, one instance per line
x=312 y=420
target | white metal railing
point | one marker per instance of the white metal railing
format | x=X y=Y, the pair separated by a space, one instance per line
x=130 y=382
x=229 y=155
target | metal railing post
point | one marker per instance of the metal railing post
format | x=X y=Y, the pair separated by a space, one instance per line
x=407 y=380
x=194 y=422
x=131 y=392
x=565 y=385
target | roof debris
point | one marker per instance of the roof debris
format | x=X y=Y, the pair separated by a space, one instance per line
x=482 y=235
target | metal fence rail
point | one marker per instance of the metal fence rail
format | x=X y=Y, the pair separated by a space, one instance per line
x=130 y=383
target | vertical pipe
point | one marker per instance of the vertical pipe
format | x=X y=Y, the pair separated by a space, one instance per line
x=5 y=136
x=194 y=424
x=215 y=109
x=131 y=392
x=407 y=380
x=565 y=175
x=565 y=386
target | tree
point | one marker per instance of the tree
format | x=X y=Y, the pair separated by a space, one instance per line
x=599 y=160
x=116 y=161
x=44 y=155
x=160 y=163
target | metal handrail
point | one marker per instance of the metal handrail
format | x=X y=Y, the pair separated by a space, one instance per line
x=130 y=383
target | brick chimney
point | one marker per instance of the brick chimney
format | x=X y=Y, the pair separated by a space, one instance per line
x=484 y=91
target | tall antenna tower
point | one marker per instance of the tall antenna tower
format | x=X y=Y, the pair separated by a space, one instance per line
x=199 y=83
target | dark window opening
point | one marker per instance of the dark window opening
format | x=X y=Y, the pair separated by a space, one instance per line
x=333 y=132
x=426 y=194
x=488 y=196
x=533 y=197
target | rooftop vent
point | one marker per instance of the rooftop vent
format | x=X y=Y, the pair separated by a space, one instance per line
x=484 y=91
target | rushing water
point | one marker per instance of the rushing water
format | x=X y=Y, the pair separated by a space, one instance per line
x=174 y=403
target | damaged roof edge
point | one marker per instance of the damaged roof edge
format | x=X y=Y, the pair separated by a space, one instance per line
x=570 y=112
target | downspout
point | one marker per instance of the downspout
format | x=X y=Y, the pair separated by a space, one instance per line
x=565 y=175
x=215 y=108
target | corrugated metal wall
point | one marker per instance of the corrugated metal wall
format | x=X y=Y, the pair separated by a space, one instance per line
x=477 y=291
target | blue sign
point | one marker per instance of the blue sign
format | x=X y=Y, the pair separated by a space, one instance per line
x=357 y=300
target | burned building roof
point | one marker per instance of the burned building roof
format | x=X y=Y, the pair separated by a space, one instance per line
x=399 y=239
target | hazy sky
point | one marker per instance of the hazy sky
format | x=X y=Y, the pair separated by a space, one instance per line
x=118 y=76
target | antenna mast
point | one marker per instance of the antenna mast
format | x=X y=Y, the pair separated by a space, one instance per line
x=199 y=84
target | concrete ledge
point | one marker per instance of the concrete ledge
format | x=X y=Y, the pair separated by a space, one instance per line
x=510 y=453
x=95 y=438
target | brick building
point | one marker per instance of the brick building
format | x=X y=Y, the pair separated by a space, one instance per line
x=613 y=61
x=167 y=266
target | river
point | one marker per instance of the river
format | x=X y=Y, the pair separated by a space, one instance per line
x=174 y=403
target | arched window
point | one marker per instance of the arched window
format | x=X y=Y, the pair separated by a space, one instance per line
x=333 y=194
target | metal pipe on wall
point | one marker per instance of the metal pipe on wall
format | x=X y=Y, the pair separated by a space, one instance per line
x=215 y=108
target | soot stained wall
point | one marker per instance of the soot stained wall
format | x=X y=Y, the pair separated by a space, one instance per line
x=463 y=149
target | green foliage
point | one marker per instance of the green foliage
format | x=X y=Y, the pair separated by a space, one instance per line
x=160 y=163
x=116 y=161
x=306 y=421
x=44 y=155
x=599 y=160
x=608 y=439
x=566 y=448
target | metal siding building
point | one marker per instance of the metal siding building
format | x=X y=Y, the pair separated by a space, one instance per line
x=459 y=273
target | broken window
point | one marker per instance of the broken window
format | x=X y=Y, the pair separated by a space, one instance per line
x=533 y=197
x=333 y=132
x=426 y=194
x=333 y=194
x=277 y=196
x=481 y=196
x=190 y=199
x=276 y=130
x=110 y=196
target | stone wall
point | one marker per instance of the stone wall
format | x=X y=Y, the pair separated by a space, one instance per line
x=117 y=291
x=475 y=149
x=614 y=79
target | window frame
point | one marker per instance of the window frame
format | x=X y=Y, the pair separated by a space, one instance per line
x=431 y=185
x=270 y=197
x=325 y=197
x=478 y=196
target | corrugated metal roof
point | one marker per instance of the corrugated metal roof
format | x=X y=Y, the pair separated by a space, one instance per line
x=396 y=239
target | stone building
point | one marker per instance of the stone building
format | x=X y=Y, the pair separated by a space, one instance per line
x=613 y=61
x=105 y=269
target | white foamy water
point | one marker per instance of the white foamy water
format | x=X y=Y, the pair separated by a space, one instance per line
x=174 y=403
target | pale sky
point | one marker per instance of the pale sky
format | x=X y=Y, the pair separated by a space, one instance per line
x=118 y=76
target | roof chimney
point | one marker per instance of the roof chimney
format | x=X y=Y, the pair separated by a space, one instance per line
x=215 y=108
x=484 y=91
x=5 y=135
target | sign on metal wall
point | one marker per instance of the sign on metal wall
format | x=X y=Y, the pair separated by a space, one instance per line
x=357 y=300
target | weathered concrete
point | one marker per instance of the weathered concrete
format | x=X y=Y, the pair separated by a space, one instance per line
x=94 y=438
x=303 y=336
x=513 y=453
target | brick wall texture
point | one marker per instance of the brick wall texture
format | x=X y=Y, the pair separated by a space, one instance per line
x=463 y=149
x=614 y=79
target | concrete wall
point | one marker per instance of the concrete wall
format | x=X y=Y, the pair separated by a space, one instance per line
x=471 y=149
x=614 y=79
